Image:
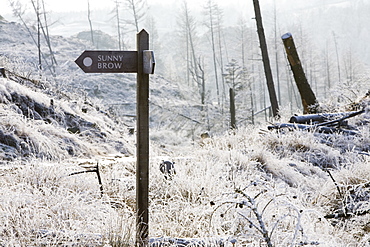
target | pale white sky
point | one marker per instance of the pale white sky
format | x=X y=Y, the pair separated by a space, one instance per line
x=81 y=5
x=66 y=26
x=61 y=6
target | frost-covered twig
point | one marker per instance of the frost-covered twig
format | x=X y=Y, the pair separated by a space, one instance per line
x=94 y=169
x=261 y=223
x=335 y=182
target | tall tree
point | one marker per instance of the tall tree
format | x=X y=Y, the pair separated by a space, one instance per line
x=138 y=11
x=219 y=31
x=237 y=79
x=36 y=7
x=337 y=54
x=47 y=37
x=18 y=11
x=187 y=25
x=90 y=23
x=266 y=60
x=242 y=39
x=116 y=12
x=211 y=13
x=152 y=29
x=276 y=54
x=194 y=64
x=233 y=75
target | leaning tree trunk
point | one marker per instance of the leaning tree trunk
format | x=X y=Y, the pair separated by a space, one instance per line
x=266 y=60
x=309 y=102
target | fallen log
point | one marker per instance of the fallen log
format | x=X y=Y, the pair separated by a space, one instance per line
x=351 y=114
x=315 y=128
x=324 y=118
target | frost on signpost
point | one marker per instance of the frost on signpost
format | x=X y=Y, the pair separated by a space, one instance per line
x=141 y=62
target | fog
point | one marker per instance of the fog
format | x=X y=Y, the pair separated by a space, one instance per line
x=331 y=36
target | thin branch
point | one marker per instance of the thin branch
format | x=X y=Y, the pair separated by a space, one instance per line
x=251 y=223
x=258 y=216
x=335 y=182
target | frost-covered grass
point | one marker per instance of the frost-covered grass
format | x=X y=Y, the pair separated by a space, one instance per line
x=291 y=193
x=42 y=206
x=273 y=188
x=228 y=186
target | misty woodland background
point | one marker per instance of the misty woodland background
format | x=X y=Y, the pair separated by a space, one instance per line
x=258 y=186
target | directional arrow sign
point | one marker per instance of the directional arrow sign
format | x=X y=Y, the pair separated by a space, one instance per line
x=115 y=62
x=108 y=61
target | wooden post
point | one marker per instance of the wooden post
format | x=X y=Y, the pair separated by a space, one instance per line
x=142 y=144
x=266 y=60
x=232 y=109
x=309 y=102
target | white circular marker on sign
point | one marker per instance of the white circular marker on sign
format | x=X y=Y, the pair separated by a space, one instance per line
x=87 y=61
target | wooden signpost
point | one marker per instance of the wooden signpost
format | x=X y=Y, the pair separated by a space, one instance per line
x=141 y=62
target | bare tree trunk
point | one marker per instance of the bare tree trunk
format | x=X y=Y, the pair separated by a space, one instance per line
x=18 y=12
x=309 y=102
x=188 y=23
x=221 y=61
x=266 y=61
x=327 y=65
x=203 y=82
x=45 y=31
x=252 y=104
x=336 y=51
x=276 y=55
x=118 y=25
x=187 y=56
x=37 y=10
x=137 y=10
x=47 y=37
x=133 y=8
x=90 y=23
x=195 y=67
x=210 y=8
x=242 y=35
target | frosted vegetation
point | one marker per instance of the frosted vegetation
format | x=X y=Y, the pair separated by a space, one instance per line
x=260 y=187
x=222 y=185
